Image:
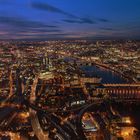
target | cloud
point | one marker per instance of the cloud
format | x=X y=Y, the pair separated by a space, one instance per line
x=24 y=27
x=42 y=30
x=19 y=22
x=35 y=36
x=31 y=34
x=73 y=18
x=50 y=8
x=3 y=32
x=72 y=21
x=80 y=21
x=103 y=20
x=107 y=29
x=87 y=20
x=13 y=27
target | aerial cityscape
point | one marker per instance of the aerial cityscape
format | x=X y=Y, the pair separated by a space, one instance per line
x=68 y=73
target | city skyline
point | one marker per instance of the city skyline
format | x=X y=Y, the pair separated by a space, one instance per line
x=69 y=69
x=45 y=20
x=49 y=90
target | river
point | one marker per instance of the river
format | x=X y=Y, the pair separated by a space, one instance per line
x=107 y=75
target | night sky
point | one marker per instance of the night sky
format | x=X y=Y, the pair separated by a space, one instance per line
x=69 y=19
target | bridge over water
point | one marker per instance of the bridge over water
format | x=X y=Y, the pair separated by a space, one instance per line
x=124 y=91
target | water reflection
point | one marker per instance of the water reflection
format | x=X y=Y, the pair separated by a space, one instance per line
x=106 y=75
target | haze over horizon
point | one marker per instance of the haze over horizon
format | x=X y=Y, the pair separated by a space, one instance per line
x=80 y=19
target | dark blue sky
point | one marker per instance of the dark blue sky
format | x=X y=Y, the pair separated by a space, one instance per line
x=58 y=19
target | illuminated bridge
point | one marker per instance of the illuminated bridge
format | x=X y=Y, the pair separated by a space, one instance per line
x=122 y=85
x=122 y=91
